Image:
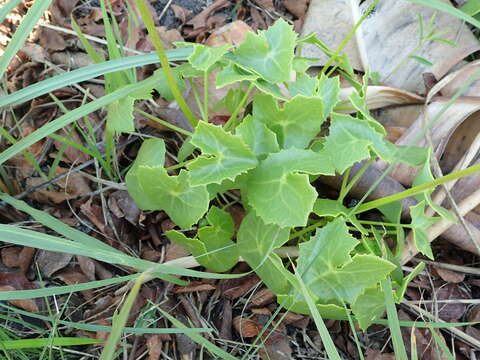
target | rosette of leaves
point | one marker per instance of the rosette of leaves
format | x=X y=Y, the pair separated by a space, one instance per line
x=271 y=156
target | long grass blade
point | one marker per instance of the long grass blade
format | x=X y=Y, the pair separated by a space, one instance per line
x=449 y=9
x=103 y=328
x=393 y=322
x=22 y=32
x=43 y=342
x=87 y=73
x=60 y=290
x=119 y=322
x=8 y=8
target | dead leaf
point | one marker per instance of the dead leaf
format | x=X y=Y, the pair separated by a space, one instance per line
x=25 y=304
x=378 y=355
x=123 y=206
x=265 y=4
x=175 y=251
x=73 y=276
x=450 y=312
x=52 y=40
x=297 y=7
x=247 y=328
x=50 y=262
x=88 y=267
x=234 y=288
x=154 y=346
x=258 y=22
x=60 y=10
x=25 y=258
x=10 y=256
x=233 y=33
x=13 y=282
x=181 y=13
x=71 y=60
x=74 y=156
x=94 y=213
x=387 y=36
x=449 y=275
x=263 y=297
x=194 y=286
x=200 y=20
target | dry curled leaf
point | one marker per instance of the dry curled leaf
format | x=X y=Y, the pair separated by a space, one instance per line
x=387 y=37
x=246 y=327
x=200 y=20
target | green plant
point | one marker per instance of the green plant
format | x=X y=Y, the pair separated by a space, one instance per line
x=272 y=156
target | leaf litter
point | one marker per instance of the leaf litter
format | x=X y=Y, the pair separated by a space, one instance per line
x=396 y=89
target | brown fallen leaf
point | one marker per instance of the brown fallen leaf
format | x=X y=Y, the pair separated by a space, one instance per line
x=181 y=13
x=123 y=206
x=387 y=37
x=200 y=20
x=52 y=40
x=25 y=304
x=60 y=11
x=234 y=288
x=194 y=286
x=154 y=346
x=10 y=256
x=263 y=297
x=233 y=33
x=265 y=4
x=73 y=276
x=13 y=282
x=450 y=312
x=87 y=265
x=50 y=262
x=449 y=276
x=247 y=328
x=258 y=22
x=297 y=7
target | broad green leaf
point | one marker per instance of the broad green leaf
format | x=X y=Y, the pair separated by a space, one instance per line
x=257 y=136
x=214 y=248
x=184 y=203
x=283 y=178
x=360 y=104
x=296 y=123
x=297 y=303
x=328 y=207
x=231 y=74
x=162 y=85
x=368 y=307
x=256 y=242
x=231 y=101
x=224 y=156
x=268 y=53
x=329 y=91
x=328 y=270
x=120 y=115
x=270 y=89
x=151 y=153
x=420 y=223
x=302 y=64
x=303 y=85
x=350 y=140
x=204 y=57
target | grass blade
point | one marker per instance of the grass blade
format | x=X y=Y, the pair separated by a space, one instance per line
x=43 y=342
x=60 y=290
x=449 y=9
x=87 y=73
x=22 y=32
x=393 y=322
x=104 y=328
x=119 y=322
x=8 y=8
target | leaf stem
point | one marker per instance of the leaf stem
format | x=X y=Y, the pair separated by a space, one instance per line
x=231 y=121
x=205 y=97
x=417 y=189
x=346 y=189
x=163 y=122
x=347 y=38
x=157 y=43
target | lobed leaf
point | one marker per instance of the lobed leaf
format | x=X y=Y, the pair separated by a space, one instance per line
x=282 y=178
x=269 y=53
x=296 y=124
x=214 y=248
x=257 y=136
x=256 y=244
x=224 y=156
x=328 y=270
